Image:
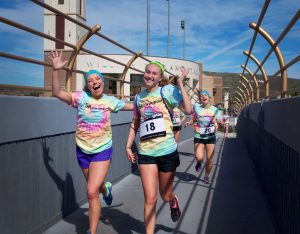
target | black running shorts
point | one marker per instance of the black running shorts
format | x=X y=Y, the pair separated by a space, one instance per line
x=205 y=141
x=176 y=128
x=165 y=163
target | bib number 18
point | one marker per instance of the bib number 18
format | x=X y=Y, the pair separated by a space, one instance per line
x=152 y=127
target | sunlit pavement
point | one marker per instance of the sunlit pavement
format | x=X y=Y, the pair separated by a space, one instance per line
x=232 y=203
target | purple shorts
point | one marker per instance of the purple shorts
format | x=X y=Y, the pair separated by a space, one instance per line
x=84 y=159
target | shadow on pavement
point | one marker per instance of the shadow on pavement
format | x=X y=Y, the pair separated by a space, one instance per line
x=185 y=176
x=124 y=223
x=186 y=154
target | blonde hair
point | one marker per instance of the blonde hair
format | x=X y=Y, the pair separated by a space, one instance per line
x=163 y=82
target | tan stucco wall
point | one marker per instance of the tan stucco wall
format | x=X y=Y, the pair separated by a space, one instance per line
x=218 y=85
x=211 y=84
x=208 y=84
x=86 y=62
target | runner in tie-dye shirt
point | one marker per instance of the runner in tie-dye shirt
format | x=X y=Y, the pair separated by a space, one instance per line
x=205 y=118
x=93 y=133
x=225 y=123
x=157 y=157
x=178 y=118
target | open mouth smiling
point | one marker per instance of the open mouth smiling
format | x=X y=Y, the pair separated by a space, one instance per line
x=96 y=86
x=148 y=79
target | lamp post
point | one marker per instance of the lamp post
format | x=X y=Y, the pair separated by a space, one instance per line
x=148 y=27
x=168 y=48
x=183 y=46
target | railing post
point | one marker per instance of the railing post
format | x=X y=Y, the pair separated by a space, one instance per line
x=262 y=70
x=126 y=68
x=251 y=88
x=75 y=52
x=248 y=93
x=255 y=81
x=269 y=39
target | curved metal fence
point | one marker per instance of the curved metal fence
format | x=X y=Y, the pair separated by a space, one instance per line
x=79 y=48
x=246 y=93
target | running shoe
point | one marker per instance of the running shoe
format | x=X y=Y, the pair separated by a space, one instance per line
x=108 y=197
x=175 y=211
x=206 y=180
x=198 y=166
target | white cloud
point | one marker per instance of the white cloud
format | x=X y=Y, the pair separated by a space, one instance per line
x=225 y=49
x=217 y=31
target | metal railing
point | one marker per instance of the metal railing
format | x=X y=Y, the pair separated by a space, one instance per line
x=283 y=67
x=76 y=49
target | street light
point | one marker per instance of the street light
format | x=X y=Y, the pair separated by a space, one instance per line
x=148 y=27
x=183 y=46
x=168 y=48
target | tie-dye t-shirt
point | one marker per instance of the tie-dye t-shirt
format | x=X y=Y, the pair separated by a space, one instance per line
x=93 y=133
x=156 y=135
x=177 y=116
x=205 y=120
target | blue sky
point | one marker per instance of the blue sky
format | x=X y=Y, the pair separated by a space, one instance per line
x=216 y=33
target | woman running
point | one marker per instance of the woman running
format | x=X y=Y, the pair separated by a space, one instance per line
x=158 y=157
x=205 y=118
x=178 y=118
x=225 y=123
x=93 y=133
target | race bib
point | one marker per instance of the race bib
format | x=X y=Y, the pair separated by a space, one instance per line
x=206 y=131
x=176 y=120
x=152 y=127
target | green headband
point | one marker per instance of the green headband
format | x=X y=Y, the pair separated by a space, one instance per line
x=161 y=66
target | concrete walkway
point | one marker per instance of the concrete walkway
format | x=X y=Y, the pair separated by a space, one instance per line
x=232 y=204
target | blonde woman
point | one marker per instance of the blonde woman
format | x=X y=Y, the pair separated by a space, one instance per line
x=157 y=157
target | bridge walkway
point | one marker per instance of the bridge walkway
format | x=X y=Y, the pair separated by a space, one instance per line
x=233 y=203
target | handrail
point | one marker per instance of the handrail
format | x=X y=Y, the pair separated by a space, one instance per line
x=75 y=52
x=263 y=72
x=134 y=57
x=76 y=49
x=251 y=88
x=248 y=93
x=278 y=53
x=52 y=9
x=258 y=30
x=25 y=28
x=243 y=100
x=260 y=19
x=243 y=94
x=255 y=81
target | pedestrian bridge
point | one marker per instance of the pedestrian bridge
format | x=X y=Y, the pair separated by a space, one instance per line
x=255 y=179
x=256 y=174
